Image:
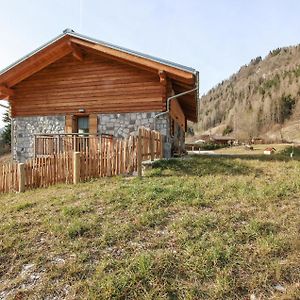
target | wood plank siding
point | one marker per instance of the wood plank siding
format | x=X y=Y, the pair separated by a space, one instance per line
x=96 y=84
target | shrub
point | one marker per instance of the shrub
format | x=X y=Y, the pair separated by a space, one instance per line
x=287 y=104
x=190 y=131
x=213 y=146
x=6 y=134
x=77 y=229
x=297 y=72
x=256 y=60
x=275 y=52
x=227 y=130
x=274 y=82
x=262 y=91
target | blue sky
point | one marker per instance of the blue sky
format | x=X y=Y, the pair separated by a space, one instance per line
x=215 y=37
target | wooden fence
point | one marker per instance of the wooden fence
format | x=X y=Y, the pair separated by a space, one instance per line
x=114 y=157
x=52 y=144
x=9 y=177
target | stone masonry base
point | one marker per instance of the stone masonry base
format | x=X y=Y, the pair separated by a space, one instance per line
x=120 y=125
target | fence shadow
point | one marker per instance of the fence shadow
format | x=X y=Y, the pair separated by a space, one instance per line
x=206 y=165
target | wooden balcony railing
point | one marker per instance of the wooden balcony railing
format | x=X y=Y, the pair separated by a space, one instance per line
x=51 y=144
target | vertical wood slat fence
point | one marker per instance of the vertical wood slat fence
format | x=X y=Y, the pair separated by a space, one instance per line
x=52 y=144
x=9 y=177
x=114 y=157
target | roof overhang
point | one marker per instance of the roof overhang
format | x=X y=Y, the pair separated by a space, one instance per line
x=71 y=42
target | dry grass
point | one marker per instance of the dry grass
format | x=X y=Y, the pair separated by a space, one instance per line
x=4 y=158
x=257 y=149
x=199 y=228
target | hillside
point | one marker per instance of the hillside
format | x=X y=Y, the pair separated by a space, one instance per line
x=261 y=99
x=197 y=228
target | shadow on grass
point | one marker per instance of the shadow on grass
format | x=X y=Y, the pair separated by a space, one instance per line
x=283 y=155
x=276 y=157
x=260 y=157
x=204 y=165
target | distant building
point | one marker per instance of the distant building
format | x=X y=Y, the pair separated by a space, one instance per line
x=269 y=151
x=222 y=140
x=257 y=140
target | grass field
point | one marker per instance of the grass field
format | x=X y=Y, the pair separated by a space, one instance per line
x=281 y=150
x=257 y=149
x=197 y=228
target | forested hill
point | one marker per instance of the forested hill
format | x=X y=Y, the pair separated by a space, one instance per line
x=261 y=99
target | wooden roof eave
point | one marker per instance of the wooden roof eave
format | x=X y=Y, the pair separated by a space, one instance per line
x=172 y=72
x=35 y=63
x=66 y=44
x=188 y=102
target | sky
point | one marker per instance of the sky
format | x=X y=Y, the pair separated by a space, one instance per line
x=215 y=37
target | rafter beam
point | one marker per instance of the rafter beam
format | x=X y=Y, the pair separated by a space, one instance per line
x=162 y=77
x=76 y=51
x=5 y=91
x=172 y=72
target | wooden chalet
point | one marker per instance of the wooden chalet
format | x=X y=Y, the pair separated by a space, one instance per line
x=77 y=85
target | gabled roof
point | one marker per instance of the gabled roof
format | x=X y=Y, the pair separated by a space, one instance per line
x=71 y=42
x=70 y=32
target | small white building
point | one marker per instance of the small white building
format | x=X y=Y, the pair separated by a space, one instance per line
x=269 y=151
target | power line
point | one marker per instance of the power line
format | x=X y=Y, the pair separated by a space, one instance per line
x=80 y=15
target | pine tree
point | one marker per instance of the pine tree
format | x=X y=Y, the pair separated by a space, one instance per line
x=6 y=134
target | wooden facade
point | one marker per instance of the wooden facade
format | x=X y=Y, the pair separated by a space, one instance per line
x=95 y=84
x=73 y=75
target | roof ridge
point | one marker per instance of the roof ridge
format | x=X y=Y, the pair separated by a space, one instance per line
x=71 y=32
x=129 y=51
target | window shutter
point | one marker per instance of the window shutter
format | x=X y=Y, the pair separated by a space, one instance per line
x=93 y=120
x=69 y=124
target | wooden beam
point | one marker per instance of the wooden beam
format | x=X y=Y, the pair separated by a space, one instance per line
x=162 y=77
x=36 y=62
x=5 y=91
x=172 y=72
x=4 y=97
x=177 y=113
x=123 y=61
x=76 y=51
x=181 y=85
x=164 y=88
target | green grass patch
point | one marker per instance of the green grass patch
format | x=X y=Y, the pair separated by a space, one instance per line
x=193 y=228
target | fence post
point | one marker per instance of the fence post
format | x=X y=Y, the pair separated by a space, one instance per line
x=21 y=179
x=152 y=140
x=76 y=167
x=34 y=146
x=139 y=153
x=161 y=146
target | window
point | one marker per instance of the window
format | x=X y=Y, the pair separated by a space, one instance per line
x=83 y=124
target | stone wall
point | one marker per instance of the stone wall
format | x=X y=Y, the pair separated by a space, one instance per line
x=124 y=124
x=24 y=128
x=119 y=125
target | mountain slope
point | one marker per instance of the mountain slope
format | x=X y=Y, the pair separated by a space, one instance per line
x=261 y=99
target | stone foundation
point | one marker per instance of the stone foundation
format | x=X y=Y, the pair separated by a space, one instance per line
x=119 y=125
x=24 y=128
x=124 y=124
